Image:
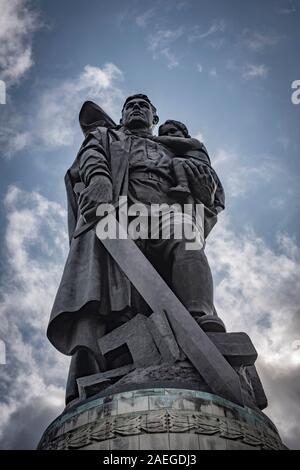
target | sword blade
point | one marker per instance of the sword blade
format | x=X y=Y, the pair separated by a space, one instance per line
x=203 y=354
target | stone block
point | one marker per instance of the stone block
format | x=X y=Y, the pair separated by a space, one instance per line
x=136 y=335
x=164 y=338
x=95 y=383
x=237 y=348
x=260 y=396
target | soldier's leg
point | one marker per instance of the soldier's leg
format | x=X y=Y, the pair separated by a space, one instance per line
x=190 y=274
x=190 y=279
x=86 y=356
x=83 y=363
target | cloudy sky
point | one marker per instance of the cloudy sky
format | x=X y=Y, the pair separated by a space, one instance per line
x=223 y=68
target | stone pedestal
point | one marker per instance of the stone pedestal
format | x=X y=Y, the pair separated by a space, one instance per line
x=161 y=419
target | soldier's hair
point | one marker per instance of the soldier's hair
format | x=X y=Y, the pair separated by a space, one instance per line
x=142 y=97
x=182 y=127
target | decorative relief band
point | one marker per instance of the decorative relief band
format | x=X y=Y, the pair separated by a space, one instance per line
x=164 y=421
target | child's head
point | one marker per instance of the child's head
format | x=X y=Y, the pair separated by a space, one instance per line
x=173 y=128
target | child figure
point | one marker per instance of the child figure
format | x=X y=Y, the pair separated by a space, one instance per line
x=175 y=135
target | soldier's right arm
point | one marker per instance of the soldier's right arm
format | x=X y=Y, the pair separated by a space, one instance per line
x=95 y=173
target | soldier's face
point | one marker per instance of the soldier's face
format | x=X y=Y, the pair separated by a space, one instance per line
x=137 y=113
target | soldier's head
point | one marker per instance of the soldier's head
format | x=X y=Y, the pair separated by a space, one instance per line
x=139 y=113
x=173 y=128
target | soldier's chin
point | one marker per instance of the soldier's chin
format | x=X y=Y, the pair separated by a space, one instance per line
x=136 y=122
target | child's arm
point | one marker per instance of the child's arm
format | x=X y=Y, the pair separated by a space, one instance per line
x=179 y=145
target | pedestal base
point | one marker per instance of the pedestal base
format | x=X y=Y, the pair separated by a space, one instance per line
x=161 y=419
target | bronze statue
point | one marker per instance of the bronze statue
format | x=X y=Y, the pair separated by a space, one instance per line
x=152 y=365
x=94 y=296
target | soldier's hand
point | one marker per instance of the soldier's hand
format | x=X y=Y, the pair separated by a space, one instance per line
x=93 y=195
x=202 y=183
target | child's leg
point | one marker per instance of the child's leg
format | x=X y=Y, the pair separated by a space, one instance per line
x=182 y=188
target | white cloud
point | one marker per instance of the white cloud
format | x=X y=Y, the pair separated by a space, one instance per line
x=181 y=4
x=18 y=21
x=32 y=381
x=199 y=136
x=58 y=107
x=217 y=43
x=159 y=44
x=13 y=137
x=282 y=201
x=213 y=72
x=199 y=68
x=52 y=120
x=257 y=291
x=288 y=246
x=257 y=41
x=248 y=71
x=172 y=60
x=284 y=137
x=286 y=11
x=27 y=423
x=143 y=19
x=163 y=38
x=255 y=71
x=217 y=26
x=241 y=178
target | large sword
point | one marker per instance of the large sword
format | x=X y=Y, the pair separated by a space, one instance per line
x=218 y=374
